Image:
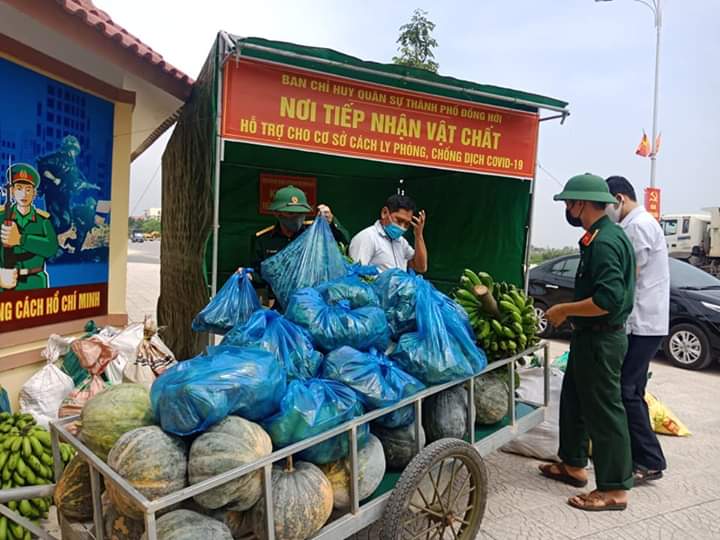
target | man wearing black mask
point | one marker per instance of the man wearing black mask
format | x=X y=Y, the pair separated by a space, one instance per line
x=591 y=406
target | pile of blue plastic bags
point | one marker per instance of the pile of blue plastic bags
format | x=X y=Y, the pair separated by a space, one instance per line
x=341 y=348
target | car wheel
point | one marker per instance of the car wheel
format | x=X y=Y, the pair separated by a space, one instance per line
x=544 y=327
x=688 y=347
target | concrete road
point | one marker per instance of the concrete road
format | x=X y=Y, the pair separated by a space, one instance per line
x=143 y=280
x=145 y=252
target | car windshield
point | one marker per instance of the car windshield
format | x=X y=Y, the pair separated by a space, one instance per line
x=669 y=226
x=686 y=276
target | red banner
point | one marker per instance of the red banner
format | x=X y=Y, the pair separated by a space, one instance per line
x=294 y=108
x=270 y=183
x=24 y=309
x=652 y=202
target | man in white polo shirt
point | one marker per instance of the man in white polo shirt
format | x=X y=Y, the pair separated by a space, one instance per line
x=383 y=245
x=647 y=325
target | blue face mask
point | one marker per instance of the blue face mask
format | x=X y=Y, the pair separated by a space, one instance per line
x=394 y=231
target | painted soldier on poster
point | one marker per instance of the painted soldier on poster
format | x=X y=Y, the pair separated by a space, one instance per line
x=27 y=234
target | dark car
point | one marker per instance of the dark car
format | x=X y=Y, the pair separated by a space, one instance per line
x=137 y=236
x=694 y=338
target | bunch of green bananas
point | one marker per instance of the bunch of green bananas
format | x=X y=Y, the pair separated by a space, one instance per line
x=501 y=315
x=26 y=460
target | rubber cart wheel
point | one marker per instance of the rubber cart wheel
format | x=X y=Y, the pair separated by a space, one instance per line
x=441 y=495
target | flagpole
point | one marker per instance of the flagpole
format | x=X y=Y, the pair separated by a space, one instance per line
x=654 y=6
x=653 y=154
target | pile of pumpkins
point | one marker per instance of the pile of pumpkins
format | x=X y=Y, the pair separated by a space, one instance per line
x=118 y=426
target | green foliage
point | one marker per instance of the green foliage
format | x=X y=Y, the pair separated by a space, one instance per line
x=539 y=255
x=144 y=225
x=416 y=43
x=151 y=225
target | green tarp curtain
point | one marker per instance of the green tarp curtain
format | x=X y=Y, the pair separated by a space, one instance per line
x=474 y=221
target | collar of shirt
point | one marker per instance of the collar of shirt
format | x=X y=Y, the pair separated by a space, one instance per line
x=632 y=216
x=21 y=219
x=381 y=230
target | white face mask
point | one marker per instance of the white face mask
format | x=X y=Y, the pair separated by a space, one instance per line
x=614 y=212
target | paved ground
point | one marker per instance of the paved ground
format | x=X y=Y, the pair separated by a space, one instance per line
x=145 y=252
x=524 y=505
x=683 y=505
x=143 y=286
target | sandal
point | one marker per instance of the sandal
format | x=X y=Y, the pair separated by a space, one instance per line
x=563 y=476
x=595 y=502
x=643 y=476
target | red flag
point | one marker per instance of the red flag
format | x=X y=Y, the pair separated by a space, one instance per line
x=656 y=147
x=643 y=148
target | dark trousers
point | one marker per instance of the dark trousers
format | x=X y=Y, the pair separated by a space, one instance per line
x=646 y=450
x=591 y=408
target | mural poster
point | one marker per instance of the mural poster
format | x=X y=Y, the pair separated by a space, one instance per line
x=56 y=156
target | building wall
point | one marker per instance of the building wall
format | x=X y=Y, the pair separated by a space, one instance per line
x=153 y=213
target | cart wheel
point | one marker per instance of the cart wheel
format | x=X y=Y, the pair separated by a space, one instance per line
x=441 y=495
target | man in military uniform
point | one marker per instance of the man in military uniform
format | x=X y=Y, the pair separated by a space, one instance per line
x=591 y=407
x=27 y=235
x=290 y=206
x=63 y=180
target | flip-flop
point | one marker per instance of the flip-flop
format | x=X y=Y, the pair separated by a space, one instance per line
x=589 y=501
x=563 y=476
x=643 y=476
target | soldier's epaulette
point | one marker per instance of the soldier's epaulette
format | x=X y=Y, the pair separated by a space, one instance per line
x=265 y=230
x=588 y=238
x=308 y=222
x=42 y=213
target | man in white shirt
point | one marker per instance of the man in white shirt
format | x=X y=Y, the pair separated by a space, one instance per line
x=647 y=325
x=383 y=245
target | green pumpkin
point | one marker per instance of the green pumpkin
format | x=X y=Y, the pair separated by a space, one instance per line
x=72 y=496
x=445 y=414
x=112 y=413
x=154 y=462
x=302 y=502
x=188 y=525
x=398 y=444
x=239 y=523
x=120 y=527
x=231 y=443
x=492 y=395
x=371 y=469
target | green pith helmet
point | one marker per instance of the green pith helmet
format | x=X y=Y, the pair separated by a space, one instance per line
x=290 y=199
x=22 y=173
x=70 y=142
x=586 y=187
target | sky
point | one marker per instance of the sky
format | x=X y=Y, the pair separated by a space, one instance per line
x=598 y=56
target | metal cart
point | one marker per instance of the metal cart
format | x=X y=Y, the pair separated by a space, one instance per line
x=440 y=494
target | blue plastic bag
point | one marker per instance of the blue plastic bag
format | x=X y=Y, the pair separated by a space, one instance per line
x=312 y=258
x=310 y=408
x=232 y=305
x=268 y=330
x=336 y=323
x=376 y=380
x=458 y=326
x=362 y=270
x=396 y=292
x=193 y=395
x=442 y=349
x=350 y=288
x=4 y=401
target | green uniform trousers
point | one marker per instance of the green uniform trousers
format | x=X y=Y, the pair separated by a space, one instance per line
x=591 y=408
